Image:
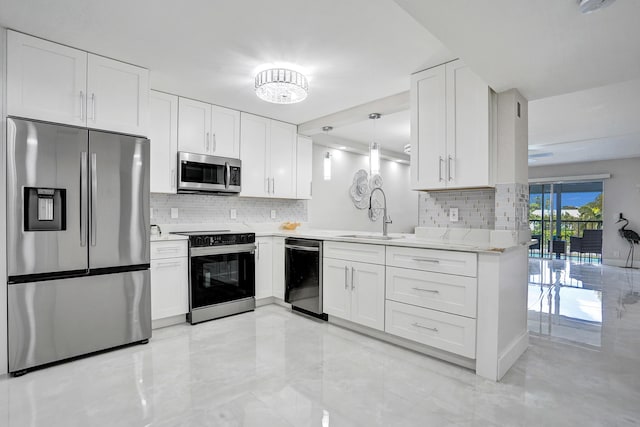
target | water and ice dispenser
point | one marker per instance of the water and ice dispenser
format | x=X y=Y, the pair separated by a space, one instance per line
x=44 y=209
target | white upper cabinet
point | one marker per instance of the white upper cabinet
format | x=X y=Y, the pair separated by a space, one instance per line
x=283 y=160
x=194 y=126
x=117 y=95
x=163 y=133
x=255 y=133
x=45 y=80
x=268 y=154
x=452 y=143
x=304 y=168
x=208 y=129
x=56 y=83
x=225 y=132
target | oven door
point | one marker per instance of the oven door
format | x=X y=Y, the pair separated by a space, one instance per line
x=201 y=173
x=222 y=274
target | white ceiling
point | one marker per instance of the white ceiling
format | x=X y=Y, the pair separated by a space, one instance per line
x=594 y=124
x=353 y=51
x=542 y=48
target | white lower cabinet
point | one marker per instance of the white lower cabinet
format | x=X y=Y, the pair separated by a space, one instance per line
x=169 y=279
x=278 y=267
x=354 y=291
x=444 y=292
x=449 y=332
x=264 y=267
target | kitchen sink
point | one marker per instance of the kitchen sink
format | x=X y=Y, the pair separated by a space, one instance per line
x=370 y=236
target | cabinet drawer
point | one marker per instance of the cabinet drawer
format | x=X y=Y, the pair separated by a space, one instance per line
x=372 y=254
x=451 y=262
x=455 y=334
x=173 y=249
x=444 y=292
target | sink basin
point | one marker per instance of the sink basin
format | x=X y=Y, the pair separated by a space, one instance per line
x=369 y=236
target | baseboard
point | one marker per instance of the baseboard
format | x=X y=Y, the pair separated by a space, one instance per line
x=265 y=301
x=620 y=262
x=168 y=321
x=512 y=354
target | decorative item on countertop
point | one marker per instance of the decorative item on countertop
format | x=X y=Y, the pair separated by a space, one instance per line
x=289 y=225
x=155 y=230
x=360 y=190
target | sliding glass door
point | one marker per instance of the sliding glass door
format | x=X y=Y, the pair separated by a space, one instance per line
x=559 y=211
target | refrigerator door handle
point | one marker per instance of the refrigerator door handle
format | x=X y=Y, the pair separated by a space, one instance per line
x=94 y=198
x=84 y=198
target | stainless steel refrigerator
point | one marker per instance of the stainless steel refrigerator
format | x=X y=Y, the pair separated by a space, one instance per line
x=77 y=242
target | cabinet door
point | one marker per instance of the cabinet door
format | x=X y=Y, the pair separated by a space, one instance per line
x=336 y=288
x=428 y=130
x=304 y=166
x=283 y=159
x=194 y=126
x=169 y=287
x=264 y=267
x=254 y=135
x=118 y=96
x=45 y=80
x=163 y=133
x=278 y=267
x=225 y=129
x=367 y=295
x=468 y=144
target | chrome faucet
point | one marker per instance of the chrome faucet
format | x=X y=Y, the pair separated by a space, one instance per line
x=386 y=219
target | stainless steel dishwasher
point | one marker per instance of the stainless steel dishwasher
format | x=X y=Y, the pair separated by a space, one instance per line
x=303 y=276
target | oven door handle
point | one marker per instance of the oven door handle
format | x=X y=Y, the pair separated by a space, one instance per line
x=222 y=250
x=302 y=248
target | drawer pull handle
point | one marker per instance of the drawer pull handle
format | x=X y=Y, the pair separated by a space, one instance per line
x=418 y=325
x=434 y=291
x=436 y=261
x=168 y=264
x=167 y=249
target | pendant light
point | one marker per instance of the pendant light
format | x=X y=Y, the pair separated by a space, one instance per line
x=374 y=149
x=327 y=157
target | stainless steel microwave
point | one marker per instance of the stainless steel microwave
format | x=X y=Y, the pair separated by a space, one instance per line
x=199 y=173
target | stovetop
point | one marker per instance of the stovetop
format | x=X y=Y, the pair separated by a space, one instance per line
x=199 y=239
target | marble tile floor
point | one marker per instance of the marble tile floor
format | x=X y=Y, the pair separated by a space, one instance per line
x=272 y=367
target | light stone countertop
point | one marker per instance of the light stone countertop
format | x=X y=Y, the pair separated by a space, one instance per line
x=167 y=237
x=399 y=239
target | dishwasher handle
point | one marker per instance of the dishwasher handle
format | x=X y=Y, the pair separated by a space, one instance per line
x=302 y=248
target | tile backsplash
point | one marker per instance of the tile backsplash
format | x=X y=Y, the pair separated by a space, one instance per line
x=512 y=207
x=476 y=208
x=204 y=209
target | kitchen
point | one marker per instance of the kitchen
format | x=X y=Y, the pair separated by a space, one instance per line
x=270 y=158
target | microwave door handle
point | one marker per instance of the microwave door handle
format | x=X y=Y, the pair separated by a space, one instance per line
x=227 y=177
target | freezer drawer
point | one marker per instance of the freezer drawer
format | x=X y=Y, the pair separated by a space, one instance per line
x=58 y=319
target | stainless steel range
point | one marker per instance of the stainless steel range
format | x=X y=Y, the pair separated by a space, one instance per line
x=222 y=274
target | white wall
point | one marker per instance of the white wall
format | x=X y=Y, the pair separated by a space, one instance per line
x=332 y=208
x=621 y=194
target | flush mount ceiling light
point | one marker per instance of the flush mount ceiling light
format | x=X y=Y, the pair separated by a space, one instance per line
x=281 y=86
x=588 y=6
